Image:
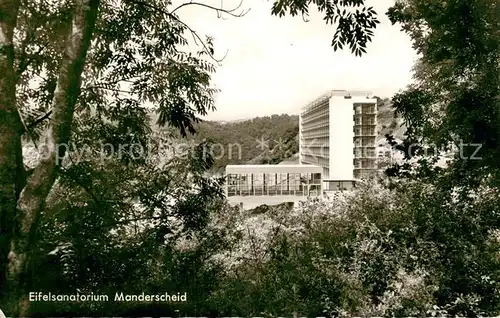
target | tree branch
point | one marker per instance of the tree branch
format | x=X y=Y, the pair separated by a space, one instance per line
x=39 y=120
x=127 y=221
x=108 y=89
x=24 y=44
x=216 y=9
x=23 y=64
x=84 y=187
x=193 y=32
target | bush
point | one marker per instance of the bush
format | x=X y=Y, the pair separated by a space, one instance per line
x=373 y=252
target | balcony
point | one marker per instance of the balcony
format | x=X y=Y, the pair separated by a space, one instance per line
x=314 y=136
x=369 y=111
x=316 y=126
x=362 y=119
x=364 y=133
x=366 y=154
x=311 y=118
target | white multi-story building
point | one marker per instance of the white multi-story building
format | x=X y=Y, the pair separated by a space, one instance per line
x=338 y=132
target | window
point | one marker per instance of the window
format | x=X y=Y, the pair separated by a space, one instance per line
x=232 y=179
x=244 y=187
x=368 y=143
x=314 y=189
x=316 y=178
x=357 y=164
x=367 y=164
x=284 y=182
x=368 y=131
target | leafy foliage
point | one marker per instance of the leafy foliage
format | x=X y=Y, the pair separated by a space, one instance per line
x=139 y=60
x=355 y=22
x=115 y=222
x=136 y=59
x=455 y=98
x=408 y=251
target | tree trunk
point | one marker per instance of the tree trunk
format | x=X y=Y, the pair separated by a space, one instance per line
x=33 y=197
x=10 y=135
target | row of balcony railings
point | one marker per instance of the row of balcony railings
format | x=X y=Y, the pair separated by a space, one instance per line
x=364 y=141
x=319 y=102
x=364 y=145
x=322 y=114
x=316 y=145
x=365 y=163
x=317 y=126
x=364 y=132
x=358 y=144
x=365 y=111
x=317 y=161
x=325 y=139
x=358 y=121
x=369 y=154
x=315 y=156
x=358 y=113
x=314 y=136
x=324 y=99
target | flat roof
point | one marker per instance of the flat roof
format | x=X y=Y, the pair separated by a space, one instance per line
x=337 y=92
x=273 y=168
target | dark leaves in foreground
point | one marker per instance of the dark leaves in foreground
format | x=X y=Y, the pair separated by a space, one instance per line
x=354 y=21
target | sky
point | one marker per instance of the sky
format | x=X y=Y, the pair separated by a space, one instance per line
x=277 y=65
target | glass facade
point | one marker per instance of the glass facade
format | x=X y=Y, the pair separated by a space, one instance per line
x=269 y=184
x=341 y=185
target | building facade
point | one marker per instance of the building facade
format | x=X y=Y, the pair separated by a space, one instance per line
x=273 y=180
x=338 y=132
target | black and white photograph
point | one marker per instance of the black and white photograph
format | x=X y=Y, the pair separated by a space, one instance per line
x=249 y=158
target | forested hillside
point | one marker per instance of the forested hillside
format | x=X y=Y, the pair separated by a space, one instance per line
x=259 y=140
x=388 y=122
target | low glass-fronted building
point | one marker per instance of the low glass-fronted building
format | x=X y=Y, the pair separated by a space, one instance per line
x=274 y=180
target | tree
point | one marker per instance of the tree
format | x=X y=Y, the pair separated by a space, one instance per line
x=115 y=29
x=70 y=65
x=453 y=109
x=455 y=98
